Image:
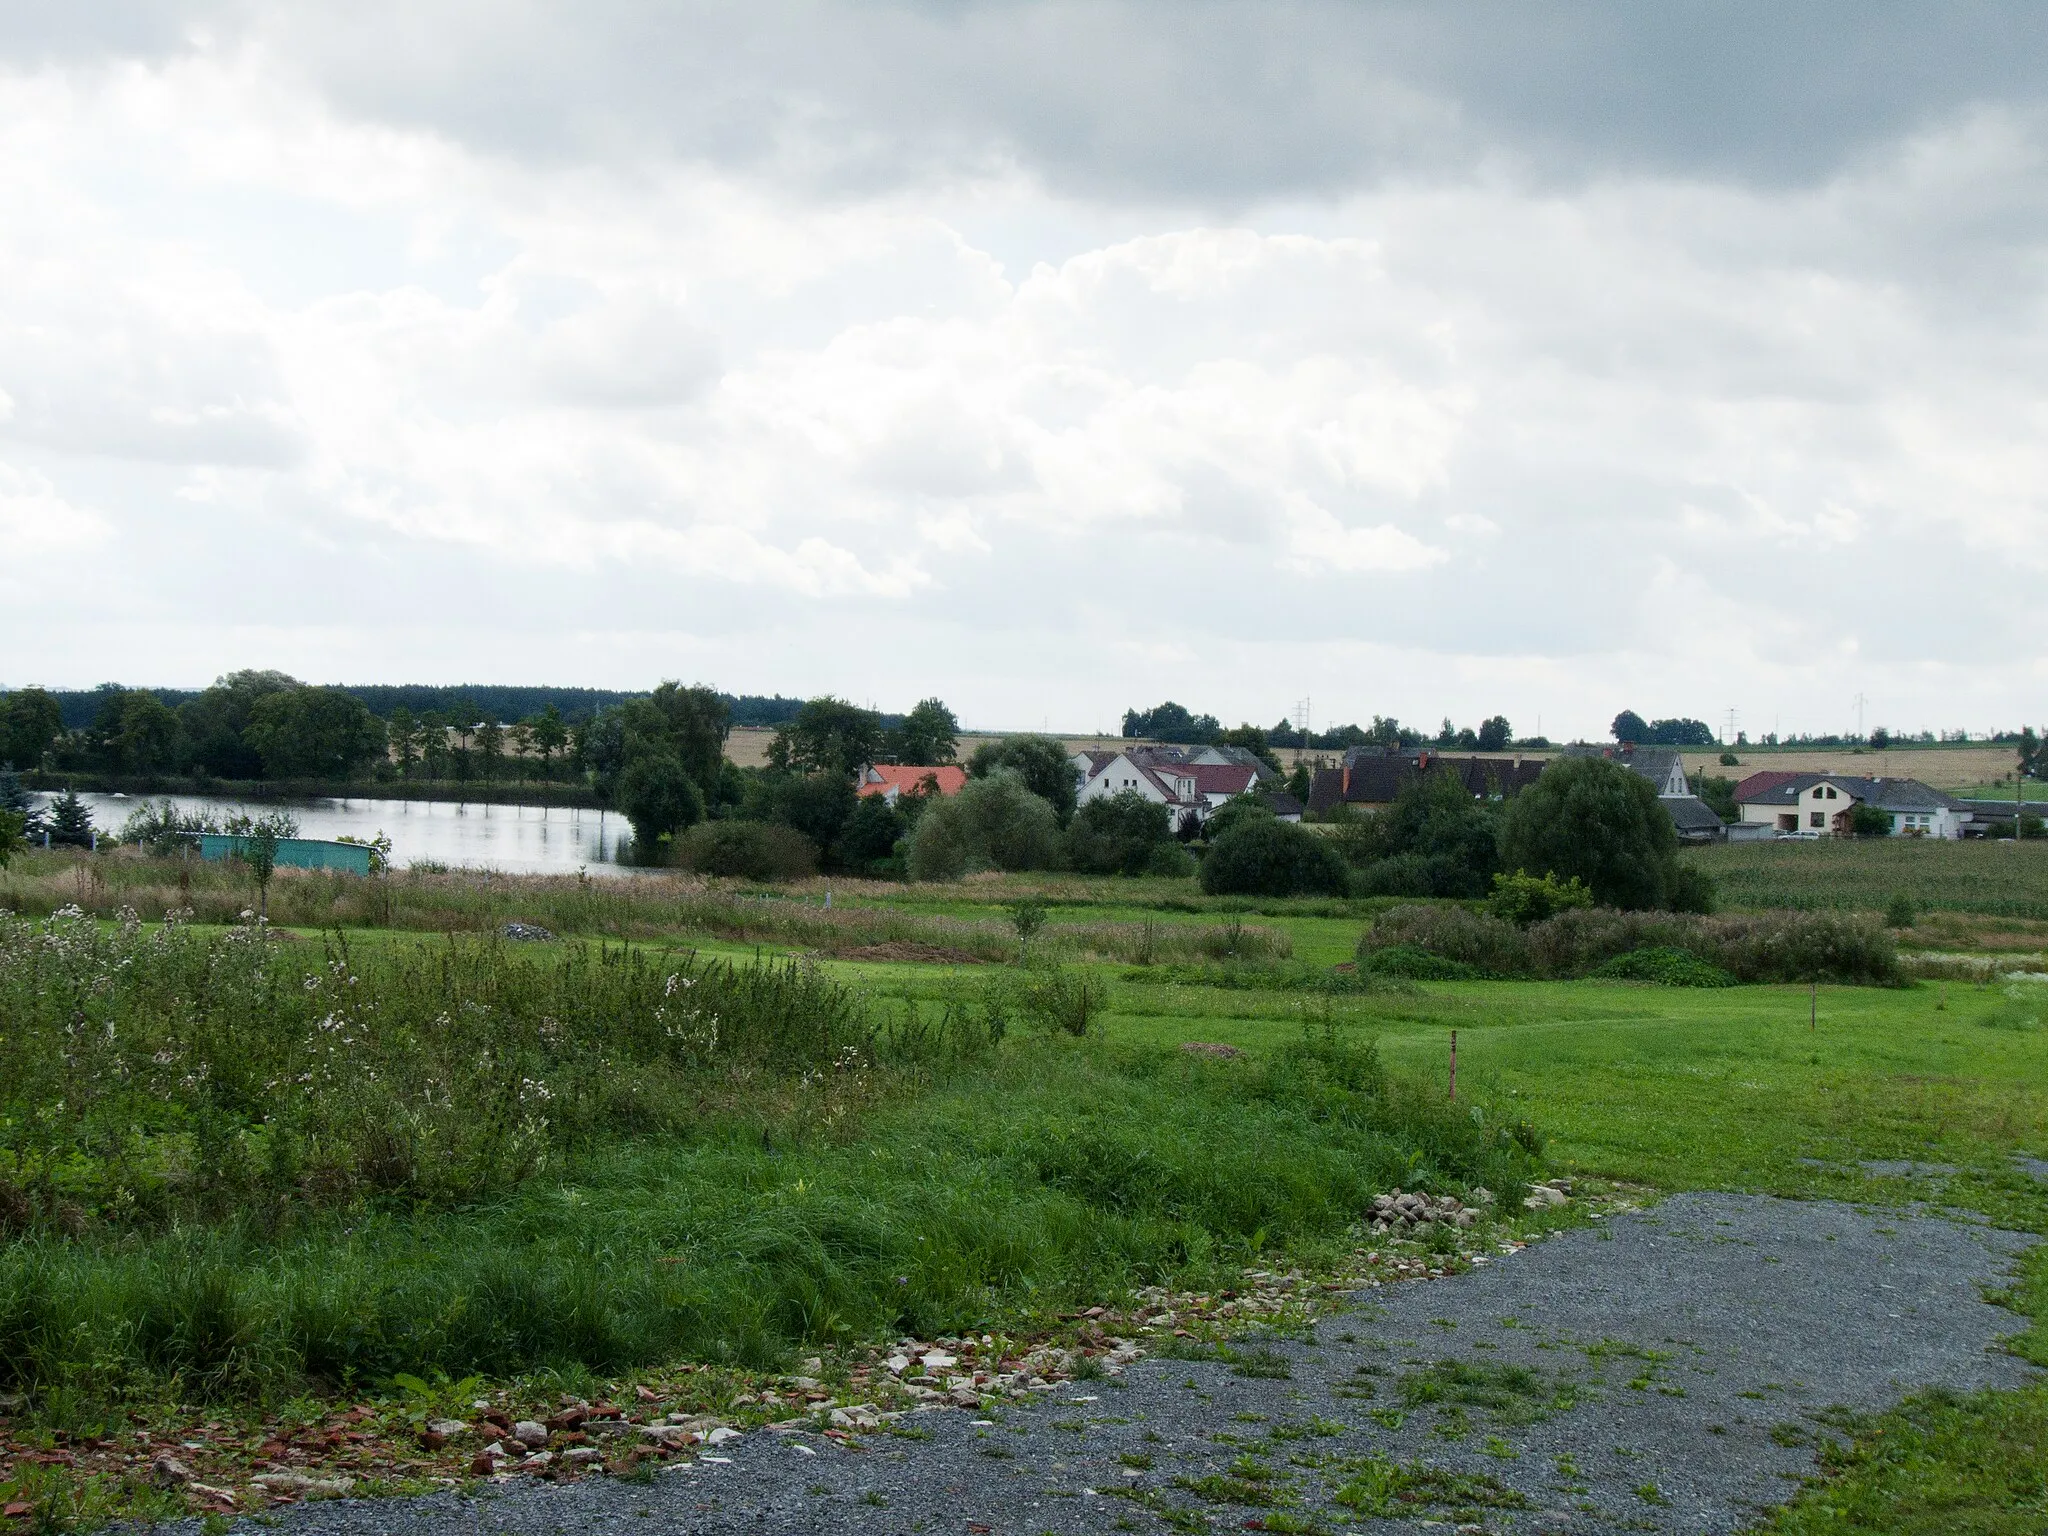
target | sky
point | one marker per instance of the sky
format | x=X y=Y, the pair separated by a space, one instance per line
x=1419 y=360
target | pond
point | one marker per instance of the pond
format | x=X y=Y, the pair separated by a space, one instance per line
x=513 y=839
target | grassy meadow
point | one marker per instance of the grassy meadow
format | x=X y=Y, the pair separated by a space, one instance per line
x=733 y=1125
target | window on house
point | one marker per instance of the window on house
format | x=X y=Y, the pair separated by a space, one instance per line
x=1817 y=819
x=1829 y=792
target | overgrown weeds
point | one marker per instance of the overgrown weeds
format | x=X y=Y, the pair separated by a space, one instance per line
x=642 y=907
x=1764 y=947
x=156 y=1072
x=249 y=1164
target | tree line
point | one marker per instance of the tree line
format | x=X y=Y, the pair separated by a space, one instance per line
x=1177 y=725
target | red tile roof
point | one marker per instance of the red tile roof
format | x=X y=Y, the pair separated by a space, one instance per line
x=1217 y=778
x=948 y=778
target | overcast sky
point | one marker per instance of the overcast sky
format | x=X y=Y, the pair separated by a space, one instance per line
x=1423 y=359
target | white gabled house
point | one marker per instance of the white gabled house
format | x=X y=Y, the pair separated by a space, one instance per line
x=1810 y=804
x=1191 y=782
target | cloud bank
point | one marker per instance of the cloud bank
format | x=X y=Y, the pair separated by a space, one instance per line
x=1050 y=358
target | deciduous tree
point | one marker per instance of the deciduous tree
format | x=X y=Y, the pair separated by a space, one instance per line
x=1263 y=856
x=314 y=733
x=828 y=735
x=30 y=722
x=659 y=797
x=928 y=735
x=1594 y=820
x=1041 y=761
x=996 y=822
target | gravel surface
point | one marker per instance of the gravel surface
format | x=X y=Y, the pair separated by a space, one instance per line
x=1654 y=1374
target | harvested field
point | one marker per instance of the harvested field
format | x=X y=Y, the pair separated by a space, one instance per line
x=1951 y=768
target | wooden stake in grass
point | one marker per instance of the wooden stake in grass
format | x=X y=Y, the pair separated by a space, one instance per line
x=1454 y=1066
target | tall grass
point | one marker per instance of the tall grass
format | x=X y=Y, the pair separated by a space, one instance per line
x=157 y=1071
x=1053 y=1171
x=640 y=907
x=237 y=1163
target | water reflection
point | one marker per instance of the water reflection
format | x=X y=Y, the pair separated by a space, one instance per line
x=516 y=839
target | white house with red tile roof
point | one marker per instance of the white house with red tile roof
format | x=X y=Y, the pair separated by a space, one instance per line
x=892 y=781
x=1165 y=776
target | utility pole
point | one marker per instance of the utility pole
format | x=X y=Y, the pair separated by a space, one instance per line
x=1728 y=737
x=1860 y=701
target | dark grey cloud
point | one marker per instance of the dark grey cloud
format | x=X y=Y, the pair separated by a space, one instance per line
x=1175 y=100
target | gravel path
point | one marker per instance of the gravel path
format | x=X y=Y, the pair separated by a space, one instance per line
x=1654 y=1375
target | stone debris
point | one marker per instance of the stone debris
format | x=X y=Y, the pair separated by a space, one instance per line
x=1403 y=1211
x=1541 y=1196
x=298 y=1485
x=673 y=1436
x=169 y=1472
x=527 y=933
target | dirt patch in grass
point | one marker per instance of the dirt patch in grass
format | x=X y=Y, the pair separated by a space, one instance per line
x=907 y=951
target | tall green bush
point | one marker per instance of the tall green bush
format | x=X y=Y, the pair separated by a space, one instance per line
x=748 y=850
x=994 y=822
x=1263 y=856
x=1594 y=820
x=1434 y=840
x=659 y=797
x=1040 y=761
x=1116 y=834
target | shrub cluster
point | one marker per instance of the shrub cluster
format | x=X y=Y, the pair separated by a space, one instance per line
x=1666 y=967
x=1766 y=947
x=1264 y=856
x=994 y=823
x=750 y=850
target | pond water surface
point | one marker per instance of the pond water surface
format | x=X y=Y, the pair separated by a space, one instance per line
x=515 y=839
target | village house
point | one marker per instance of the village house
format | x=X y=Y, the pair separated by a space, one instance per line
x=1191 y=782
x=1818 y=805
x=1371 y=778
x=892 y=781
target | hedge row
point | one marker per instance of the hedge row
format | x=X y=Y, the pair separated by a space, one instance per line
x=1764 y=947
